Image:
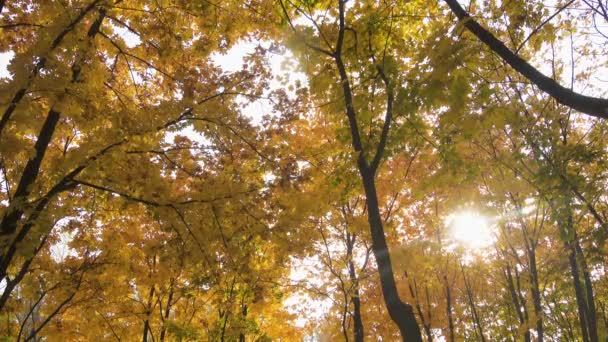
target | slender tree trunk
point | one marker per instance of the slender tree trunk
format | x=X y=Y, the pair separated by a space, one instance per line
x=516 y=303
x=163 y=330
x=224 y=323
x=568 y=230
x=17 y=209
x=427 y=326
x=401 y=313
x=448 y=308
x=344 y=320
x=476 y=318
x=535 y=290
x=224 y=315
x=358 y=322
x=146 y=328
x=414 y=293
x=242 y=334
x=578 y=291
x=148 y=312
x=522 y=298
x=591 y=311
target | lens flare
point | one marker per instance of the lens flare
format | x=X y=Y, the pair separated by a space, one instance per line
x=470 y=229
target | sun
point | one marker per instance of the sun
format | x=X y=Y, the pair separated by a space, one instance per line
x=470 y=229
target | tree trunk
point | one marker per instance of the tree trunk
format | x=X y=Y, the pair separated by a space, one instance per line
x=17 y=209
x=591 y=311
x=148 y=312
x=448 y=308
x=401 y=313
x=414 y=293
x=163 y=330
x=518 y=307
x=476 y=318
x=535 y=290
x=593 y=106
x=242 y=334
x=358 y=322
x=578 y=291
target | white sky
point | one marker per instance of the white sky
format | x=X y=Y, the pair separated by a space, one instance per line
x=232 y=61
x=5 y=59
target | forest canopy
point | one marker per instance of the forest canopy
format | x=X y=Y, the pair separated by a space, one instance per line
x=303 y=170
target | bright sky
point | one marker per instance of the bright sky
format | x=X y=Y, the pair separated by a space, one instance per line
x=232 y=61
x=5 y=58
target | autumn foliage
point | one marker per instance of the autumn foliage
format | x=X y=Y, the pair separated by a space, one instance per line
x=155 y=187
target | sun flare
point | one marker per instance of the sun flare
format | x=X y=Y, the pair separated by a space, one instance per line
x=470 y=229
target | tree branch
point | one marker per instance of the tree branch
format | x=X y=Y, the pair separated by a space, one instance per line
x=593 y=106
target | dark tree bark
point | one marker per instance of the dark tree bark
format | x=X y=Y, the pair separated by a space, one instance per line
x=448 y=309
x=42 y=61
x=535 y=290
x=167 y=312
x=578 y=291
x=516 y=302
x=591 y=311
x=401 y=313
x=414 y=293
x=149 y=303
x=476 y=318
x=16 y=211
x=244 y=313
x=597 y=107
x=530 y=243
x=358 y=322
x=567 y=230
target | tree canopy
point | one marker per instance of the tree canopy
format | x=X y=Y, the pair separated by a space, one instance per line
x=299 y=170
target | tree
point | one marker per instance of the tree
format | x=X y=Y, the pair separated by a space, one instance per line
x=148 y=193
x=594 y=106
